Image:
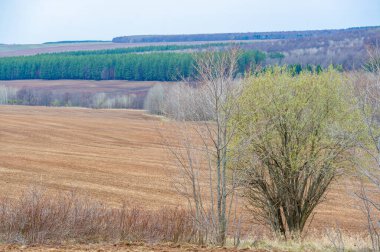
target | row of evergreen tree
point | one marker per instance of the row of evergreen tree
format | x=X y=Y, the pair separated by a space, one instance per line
x=153 y=66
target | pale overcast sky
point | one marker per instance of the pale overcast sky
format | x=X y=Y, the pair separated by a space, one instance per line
x=37 y=21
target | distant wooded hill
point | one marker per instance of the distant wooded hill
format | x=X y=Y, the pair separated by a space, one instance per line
x=346 y=47
x=244 y=36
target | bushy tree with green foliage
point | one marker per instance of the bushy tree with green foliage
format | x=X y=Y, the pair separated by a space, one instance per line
x=297 y=132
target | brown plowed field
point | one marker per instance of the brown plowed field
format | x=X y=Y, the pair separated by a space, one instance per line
x=113 y=155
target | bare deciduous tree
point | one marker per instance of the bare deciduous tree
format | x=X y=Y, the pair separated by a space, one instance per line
x=154 y=100
x=7 y=94
x=206 y=173
x=367 y=85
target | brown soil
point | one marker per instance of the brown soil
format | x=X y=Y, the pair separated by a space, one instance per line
x=114 y=155
x=118 y=247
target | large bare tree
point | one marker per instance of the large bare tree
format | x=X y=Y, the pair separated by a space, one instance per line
x=206 y=173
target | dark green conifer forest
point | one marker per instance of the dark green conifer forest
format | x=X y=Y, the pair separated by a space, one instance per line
x=151 y=63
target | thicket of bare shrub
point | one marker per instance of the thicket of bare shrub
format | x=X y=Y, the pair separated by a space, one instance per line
x=37 y=97
x=40 y=217
x=102 y=100
x=182 y=102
